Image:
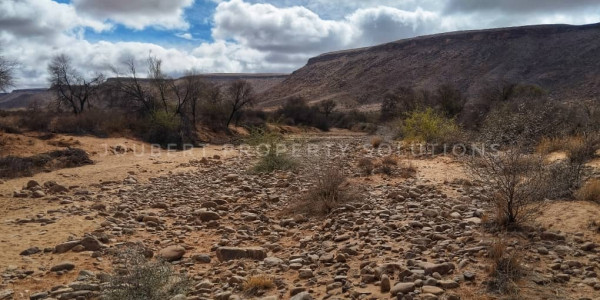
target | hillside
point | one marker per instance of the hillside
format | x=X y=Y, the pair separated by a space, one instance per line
x=22 y=98
x=560 y=58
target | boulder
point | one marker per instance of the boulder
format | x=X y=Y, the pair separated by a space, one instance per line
x=64 y=266
x=172 y=253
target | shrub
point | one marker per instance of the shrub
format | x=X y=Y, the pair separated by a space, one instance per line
x=366 y=166
x=389 y=160
x=297 y=112
x=517 y=184
x=141 y=279
x=407 y=170
x=257 y=283
x=590 y=191
x=376 y=141
x=505 y=269
x=450 y=100
x=163 y=129
x=331 y=190
x=13 y=167
x=272 y=159
x=428 y=126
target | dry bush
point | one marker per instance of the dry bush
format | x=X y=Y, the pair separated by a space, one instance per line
x=257 y=283
x=590 y=191
x=141 y=279
x=331 y=189
x=13 y=167
x=407 y=170
x=554 y=144
x=366 y=166
x=517 y=183
x=376 y=142
x=505 y=269
x=389 y=160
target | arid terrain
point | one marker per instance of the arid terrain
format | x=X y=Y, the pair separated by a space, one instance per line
x=420 y=236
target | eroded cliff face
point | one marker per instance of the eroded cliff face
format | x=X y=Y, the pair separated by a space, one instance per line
x=562 y=59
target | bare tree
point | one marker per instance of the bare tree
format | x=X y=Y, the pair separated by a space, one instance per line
x=6 y=73
x=159 y=80
x=240 y=95
x=327 y=107
x=71 y=88
x=132 y=89
x=517 y=183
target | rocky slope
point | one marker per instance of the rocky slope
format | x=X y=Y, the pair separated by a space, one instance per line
x=560 y=58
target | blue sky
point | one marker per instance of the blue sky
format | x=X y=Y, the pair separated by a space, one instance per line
x=241 y=35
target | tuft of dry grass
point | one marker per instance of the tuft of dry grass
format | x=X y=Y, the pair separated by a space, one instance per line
x=407 y=170
x=505 y=268
x=257 y=283
x=389 y=160
x=366 y=166
x=549 y=145
x=590 y=191
x=331 y=189
x=376 y=141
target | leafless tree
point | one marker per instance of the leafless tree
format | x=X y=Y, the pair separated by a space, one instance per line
x=159 y=80
x=517 y=183
x=71 y=88
x=327 y=107
x=240 y=95
x=132 y=88
x=6 y=73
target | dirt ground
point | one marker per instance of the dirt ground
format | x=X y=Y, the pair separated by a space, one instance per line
x=143 y=162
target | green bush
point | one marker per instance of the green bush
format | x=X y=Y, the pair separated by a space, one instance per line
x=271 y=160
x=141 y=279
x=163 y=129
x=428 y=126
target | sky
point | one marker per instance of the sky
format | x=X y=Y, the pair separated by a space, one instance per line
x=214 y=36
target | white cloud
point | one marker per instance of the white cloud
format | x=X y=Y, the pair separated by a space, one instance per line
x=248 y=36
x=137 y=14
x=185 y=35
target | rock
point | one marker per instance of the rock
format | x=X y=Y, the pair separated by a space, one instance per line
x=448 y=284
x=30 y=251
x=231 y=177
x=223 y=296
x=385 y=283
x=6 y=294
x=551 y=236
x=272 y=261
x=172 y=253
x=443 y=269
x=231 y=253
x=305 y=273
x=38 y=296
x=38 y=194
x=201 y=258
x=65 y=247
x=20 y=194
x=90 y=243
x=57 y=188
x=302 y=296
x=473 y=220
x=402 y=288
x=206 y=216
x=32 y=184
x=589 y=246
x=428 y=289
x=64 y=266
